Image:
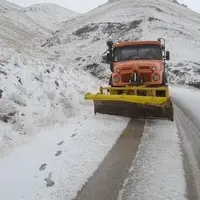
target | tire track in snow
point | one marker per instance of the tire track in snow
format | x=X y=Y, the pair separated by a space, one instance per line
x=109 y=177
x=157 y=170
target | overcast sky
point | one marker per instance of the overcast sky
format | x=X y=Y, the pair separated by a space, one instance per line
x=193 y=4
x=86 y=5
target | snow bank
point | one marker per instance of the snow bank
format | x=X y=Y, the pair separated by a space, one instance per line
x=188 y=99
x=157 y=171
x=60 y=159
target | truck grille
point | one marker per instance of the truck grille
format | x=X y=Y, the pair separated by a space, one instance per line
x=144 y=68
x=127 y=77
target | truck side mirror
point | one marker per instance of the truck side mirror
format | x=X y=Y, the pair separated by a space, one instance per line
x=167 y=55
x=108 y=58
x=109 y=61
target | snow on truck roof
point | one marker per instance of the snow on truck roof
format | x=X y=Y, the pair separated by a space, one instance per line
x=132 y=43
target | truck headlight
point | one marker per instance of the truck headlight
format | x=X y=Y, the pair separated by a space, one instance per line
x=156 y=77
x=154 y=68
x=116 y=79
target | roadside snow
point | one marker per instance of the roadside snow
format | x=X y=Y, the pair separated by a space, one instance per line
x=66 y=156
x=188 y=99
x=157 y=171
x=37 y=94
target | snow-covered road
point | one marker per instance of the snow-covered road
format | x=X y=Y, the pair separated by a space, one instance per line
x=157 y=171
x=59 y=160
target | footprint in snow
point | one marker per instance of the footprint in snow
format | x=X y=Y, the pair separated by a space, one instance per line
x=74 y=135
x=60 y=143
x=79 y=123
x=49 y=182
x=43 y=167
x=58 y=153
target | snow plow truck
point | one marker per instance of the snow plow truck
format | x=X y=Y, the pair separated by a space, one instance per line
x=138 y=85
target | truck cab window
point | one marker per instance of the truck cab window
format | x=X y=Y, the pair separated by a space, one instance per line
x=137 y=52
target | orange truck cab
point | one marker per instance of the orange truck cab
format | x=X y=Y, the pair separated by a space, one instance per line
x=137 y=63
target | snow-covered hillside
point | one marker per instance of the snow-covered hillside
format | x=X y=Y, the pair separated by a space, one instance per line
x=51 y=16
x=18 y=32
x=83 y=39
x=37 y=89
x=7 y=5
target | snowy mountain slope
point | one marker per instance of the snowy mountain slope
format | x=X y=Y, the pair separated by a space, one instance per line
x=148 y=19
x=49 y=15
x=7 y=5
x=25 y=68
x=16 y=25
x=19 y=33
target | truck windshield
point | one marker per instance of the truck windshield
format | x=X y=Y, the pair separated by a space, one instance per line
x=137 y=52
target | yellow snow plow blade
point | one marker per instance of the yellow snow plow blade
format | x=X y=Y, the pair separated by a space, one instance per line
x=128 y=98
x=133 y=102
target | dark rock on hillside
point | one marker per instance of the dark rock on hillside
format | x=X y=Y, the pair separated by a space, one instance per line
x=1 y=92
x=175 y=1
x=85 y=29
x=158 y=9
x=194 y=84
x=95 y=70
x=91 y=31
x=107 y=28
